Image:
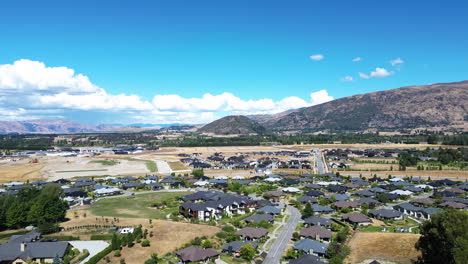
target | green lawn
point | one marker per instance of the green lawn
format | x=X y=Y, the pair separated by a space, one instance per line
x=231 y=260
x=105 y=162
x=138 y=206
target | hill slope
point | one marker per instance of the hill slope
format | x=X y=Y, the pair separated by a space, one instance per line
x=51 y=126
x=233 y=125
x=438 y=105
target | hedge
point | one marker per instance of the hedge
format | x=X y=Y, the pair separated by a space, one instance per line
x=62 y=238
x=96 y=258
x=101 y=237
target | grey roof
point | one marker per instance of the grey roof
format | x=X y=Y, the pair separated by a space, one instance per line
x=385 y=213
x=35 y=250
x=307 y=259
x=252 y=232
x=306 y=198
x=356 y=218
x=307 y=245
x=270 y=210
x=235 y=246
x=338 y=197
x=259 y=217
x=196 y=254
x=321 y=209
x=317 y=220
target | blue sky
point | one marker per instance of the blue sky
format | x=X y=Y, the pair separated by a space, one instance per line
x=235 y=51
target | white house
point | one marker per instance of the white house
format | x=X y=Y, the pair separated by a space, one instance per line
x=402 y=192
x=272 y=179
x=291 y=190
x=201 y=183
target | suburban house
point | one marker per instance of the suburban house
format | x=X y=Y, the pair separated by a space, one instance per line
x=20 y=248
x=317 y=221
x=307 y=259
x=316 y=232
x=213 y=205
x=252 y=233
x=194 y=254
x=257 y=218
x=386 y=214
x=417 y=212
x=234 y=246
x=356 y=219
x=310 y=246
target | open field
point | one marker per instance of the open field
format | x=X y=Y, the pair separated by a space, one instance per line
x=461 y=175
x=137 y=206
x=394 y=247
x=177 y=165
x=20 y=170
x=168 y=235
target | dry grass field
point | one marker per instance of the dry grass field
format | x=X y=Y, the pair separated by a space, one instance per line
x=394 y=247
x=454 y=175
x=20 y=171
x=177 y=165
x=167 y=237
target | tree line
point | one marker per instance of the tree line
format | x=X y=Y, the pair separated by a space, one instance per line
x=42 y=208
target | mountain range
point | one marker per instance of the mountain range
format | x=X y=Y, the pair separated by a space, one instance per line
x=441 y=106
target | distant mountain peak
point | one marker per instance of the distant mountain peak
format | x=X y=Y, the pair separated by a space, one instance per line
x=235 y=124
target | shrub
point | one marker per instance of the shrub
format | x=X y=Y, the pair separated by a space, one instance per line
x=145 y=243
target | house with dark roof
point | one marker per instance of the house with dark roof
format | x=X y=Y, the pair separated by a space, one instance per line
x=346 y=204
x=252 y=233
x=21 y=248
x=195 y=254
x=307 y=259
x=317 y=221
x=234 y=246
x=307 y=199
x=316 y=232
x=257 y=218
x=322 y=209
x=386 y=214
x=356 y=219
x=310 y=246
x=270 y=210
x=208 y=205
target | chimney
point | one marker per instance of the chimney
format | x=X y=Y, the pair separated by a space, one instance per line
x=22 y=247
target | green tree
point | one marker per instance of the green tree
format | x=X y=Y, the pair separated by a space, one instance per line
x=444 y=238
x=308 y=210
x=247 y=251
x=115 y=242
x=207 y=244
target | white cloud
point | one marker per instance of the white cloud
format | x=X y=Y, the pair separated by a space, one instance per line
x=396 y=61
x=320 y=97
x=378 y=73
x=347 y=79
x=31 y=90
x=357 y=59
x=317 y=57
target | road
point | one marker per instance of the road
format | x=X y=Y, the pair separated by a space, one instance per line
x=285 y=235
x=320 y=163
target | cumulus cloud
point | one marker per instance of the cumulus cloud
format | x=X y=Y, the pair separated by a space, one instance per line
x=357 y=59
x=396 y=61
x=378 y=73
x=31 y=90
x=317 y=57
x=347 y=79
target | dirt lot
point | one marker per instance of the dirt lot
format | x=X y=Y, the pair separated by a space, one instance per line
x=167 y=237
x=461 y=175
x=394 y=247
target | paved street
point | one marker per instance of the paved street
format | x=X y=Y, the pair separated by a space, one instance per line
x=279 y=245
x=320 y=163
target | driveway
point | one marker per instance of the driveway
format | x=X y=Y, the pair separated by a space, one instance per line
x=320 y=163
x=93 y=246
x=279 y=245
